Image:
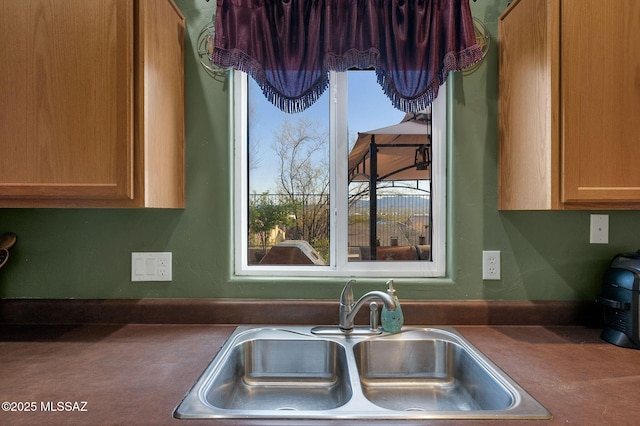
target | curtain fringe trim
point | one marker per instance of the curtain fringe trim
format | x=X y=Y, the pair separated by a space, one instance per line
x=351 y=59
x=452 y=62
x=239 y=60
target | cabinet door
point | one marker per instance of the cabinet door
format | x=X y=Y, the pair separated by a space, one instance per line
x=529 y=174
x=160 y=103
x=66 y=117
x=600 y=83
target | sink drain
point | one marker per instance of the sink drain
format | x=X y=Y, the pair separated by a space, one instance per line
x=414 y=409
x=286 y=409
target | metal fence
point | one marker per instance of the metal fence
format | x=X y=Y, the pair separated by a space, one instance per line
x=402 y=219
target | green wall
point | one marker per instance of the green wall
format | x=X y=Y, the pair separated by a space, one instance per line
x=85 y=253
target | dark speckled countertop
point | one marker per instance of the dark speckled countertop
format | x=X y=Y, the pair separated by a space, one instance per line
x=136 y=374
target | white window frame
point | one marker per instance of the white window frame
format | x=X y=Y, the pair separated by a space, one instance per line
x=340 y=266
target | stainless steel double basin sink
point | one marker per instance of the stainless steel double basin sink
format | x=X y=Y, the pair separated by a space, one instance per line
x=291 y=373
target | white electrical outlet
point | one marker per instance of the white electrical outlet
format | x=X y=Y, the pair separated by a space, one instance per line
x=154 y=266
x=491 y=265
x=599 y=230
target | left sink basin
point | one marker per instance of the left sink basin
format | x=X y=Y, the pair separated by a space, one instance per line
x=275 y=374
x=264 y=370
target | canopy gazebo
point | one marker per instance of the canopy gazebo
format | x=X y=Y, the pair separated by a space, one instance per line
x=401 y=152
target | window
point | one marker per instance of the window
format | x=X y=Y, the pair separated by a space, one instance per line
x=303 y=197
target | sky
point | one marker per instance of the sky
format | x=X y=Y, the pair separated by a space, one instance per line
x=368 y=109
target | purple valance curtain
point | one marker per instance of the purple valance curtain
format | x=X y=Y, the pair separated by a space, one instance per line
x=289 y=46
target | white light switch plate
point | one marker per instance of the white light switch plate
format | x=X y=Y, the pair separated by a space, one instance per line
x=151 y=266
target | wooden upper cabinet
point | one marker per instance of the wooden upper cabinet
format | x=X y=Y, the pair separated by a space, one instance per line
x=92 y=109
x=569 y=102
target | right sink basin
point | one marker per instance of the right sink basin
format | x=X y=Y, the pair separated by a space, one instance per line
x=432 y=374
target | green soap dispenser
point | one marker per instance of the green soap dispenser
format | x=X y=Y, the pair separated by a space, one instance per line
x=392 y=321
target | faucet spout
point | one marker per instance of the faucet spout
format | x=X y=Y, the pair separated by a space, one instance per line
x=348 y=309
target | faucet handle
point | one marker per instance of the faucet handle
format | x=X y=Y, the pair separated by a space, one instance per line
x=346 y=298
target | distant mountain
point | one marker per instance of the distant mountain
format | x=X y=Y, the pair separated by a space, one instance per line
x=396 y=202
